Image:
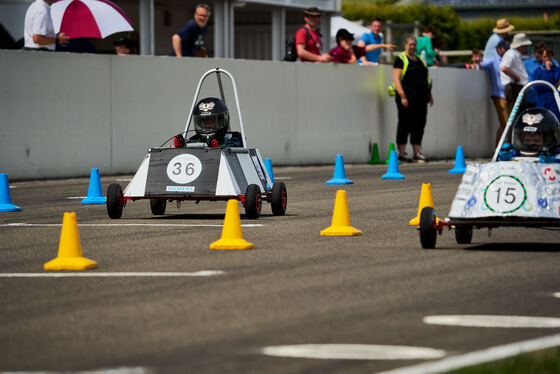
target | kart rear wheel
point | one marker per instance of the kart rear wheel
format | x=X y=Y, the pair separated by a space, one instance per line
x=253 y=201
x=463 y=234
x=428 y=233
x=115 y=201
x=279 y=199
x=158 y=206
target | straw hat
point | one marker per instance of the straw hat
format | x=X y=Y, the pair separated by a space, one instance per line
x=502 y=26
x=520 y=39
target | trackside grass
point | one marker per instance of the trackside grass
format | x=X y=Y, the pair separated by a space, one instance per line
x=541 y=362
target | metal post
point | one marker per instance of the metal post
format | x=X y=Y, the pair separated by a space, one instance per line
x=147 y=27
x=278 y=33
x=416 y=29
x=389 y=29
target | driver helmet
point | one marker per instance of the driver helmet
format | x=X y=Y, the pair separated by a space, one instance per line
x=211 y=119
x=536 y=131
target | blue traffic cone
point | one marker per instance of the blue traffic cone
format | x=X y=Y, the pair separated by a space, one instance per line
x=459 y=167
x=393 y=169
x=5 y=198
x=95 y=196
x=339 y=176
x=268 y=166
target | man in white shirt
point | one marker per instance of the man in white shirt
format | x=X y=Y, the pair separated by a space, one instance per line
x=38 y=31
x=513 y=74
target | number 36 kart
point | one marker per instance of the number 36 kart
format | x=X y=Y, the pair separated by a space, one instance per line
x=213 y=164
x=520 y=186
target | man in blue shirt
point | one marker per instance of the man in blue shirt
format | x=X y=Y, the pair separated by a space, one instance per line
x=190 y=39
x=499 y=32
x=374 y=37
x=498 y=94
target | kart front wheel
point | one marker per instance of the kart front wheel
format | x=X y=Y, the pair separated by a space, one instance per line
x=279 y=199
x=428 y=233
x=158 y=206
x=463 y=234
x=115 y=201
x=253 y=201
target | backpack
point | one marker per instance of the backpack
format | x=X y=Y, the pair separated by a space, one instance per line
x=290 y=47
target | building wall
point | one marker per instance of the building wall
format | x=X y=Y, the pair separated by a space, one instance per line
x=62 y=114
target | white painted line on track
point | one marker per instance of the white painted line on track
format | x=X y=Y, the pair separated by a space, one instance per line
x=282 y=178
x=201 y=273
x=494 y=321
x=21 y=224
x=124 y=180
x=556 y=294
x=120 y=370
x=76 y=197
x=353 y=352
x=479 y=357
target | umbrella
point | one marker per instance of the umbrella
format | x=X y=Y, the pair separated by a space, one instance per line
x=89 y=18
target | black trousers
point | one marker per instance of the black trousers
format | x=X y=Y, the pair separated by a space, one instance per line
x=411 y=121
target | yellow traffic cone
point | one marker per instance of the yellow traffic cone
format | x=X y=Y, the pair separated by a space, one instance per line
x=426 y=199
x=69 y=248
x=231 y=231
x=340 y=225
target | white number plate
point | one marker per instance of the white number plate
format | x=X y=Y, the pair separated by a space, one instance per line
x=505 y=194
x=183 y=169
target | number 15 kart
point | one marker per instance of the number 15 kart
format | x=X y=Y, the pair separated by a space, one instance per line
x=520 y=186
x=213 y=164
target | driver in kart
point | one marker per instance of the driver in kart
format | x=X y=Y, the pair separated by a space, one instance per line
x=211 y=124
x=535 y=134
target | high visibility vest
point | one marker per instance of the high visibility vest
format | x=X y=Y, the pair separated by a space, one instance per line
x=391 y=89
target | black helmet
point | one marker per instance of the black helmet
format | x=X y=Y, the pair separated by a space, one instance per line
x=536 y=131
x=211 y=119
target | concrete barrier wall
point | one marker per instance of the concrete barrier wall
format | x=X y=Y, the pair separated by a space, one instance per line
x=62 y=114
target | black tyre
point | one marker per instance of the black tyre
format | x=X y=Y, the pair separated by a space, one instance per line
x=463 y=234
x=115 y=201
x=158 y=206
x=253 y=201
x=428 y=233
x=279 y=199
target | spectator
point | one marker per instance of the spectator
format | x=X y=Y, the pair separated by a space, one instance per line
x=549 y=72
x=38 y=30
x=308 y=38
x=476 y=58
x=498 y=95
x=345 y=52
x=374 y=38
x=424 y=46
x=123 y=46
x=513 y=73
x=413 y=87
x=189 y=41
x=499 y=32
x=530 y=65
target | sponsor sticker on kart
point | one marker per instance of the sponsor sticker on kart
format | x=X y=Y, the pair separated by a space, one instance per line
x=179 y=189
x=551 y=174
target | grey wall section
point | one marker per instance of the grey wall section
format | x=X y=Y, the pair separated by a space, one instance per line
x=63 y=114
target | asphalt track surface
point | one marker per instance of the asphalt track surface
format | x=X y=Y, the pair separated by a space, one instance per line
x=294 y=287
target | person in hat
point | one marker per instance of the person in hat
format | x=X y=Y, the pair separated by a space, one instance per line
x=308 y=38
x=499 y=32
x=513 y=74
x=123 y=46
x=345 y=52
x=189 y=41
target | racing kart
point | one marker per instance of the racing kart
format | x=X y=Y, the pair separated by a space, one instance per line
x=521 y=192
x=199 y=172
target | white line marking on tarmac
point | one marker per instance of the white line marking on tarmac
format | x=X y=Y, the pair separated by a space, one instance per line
x=201 y=273
x=21 y=224
x=76 y=197
x=556 y=294
x=353 y=352
x=282 y=178
x=121 y=370
x=479 y=357
x=494 y=321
